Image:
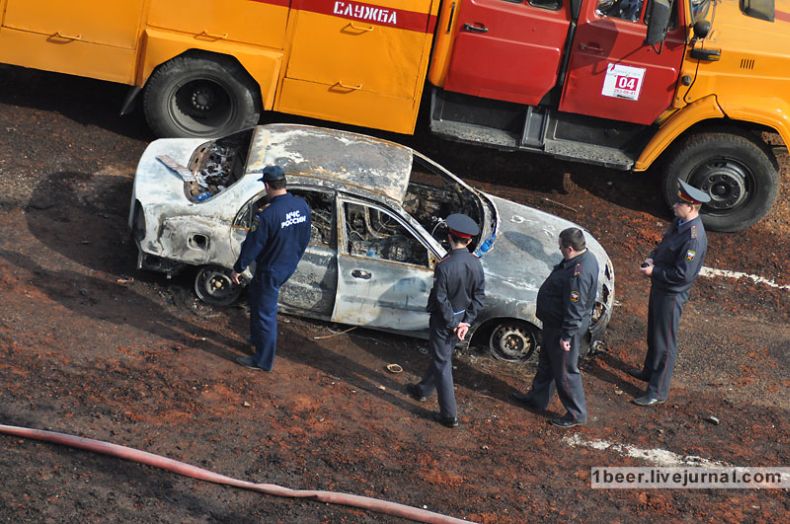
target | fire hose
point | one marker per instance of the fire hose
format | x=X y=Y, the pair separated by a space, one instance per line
x=187 y=470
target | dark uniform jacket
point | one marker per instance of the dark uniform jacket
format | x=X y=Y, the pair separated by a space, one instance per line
x=679 y=257
x=279 y=238
x=567 y=297
x=458 y=288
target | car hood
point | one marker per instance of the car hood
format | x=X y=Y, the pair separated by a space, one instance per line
x=526 y=250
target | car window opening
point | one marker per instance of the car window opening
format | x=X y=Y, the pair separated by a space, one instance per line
x=217 y=165
x=373 y=233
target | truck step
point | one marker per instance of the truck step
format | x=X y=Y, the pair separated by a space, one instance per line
x=591 y=153
x=476 y=134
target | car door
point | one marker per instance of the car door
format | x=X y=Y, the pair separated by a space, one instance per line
x=311 y=289
x=385 y=272
x=508 y=50
x=612 y=73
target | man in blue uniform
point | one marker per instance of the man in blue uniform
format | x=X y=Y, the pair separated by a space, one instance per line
x=672 y=267
x=565 y=305
x=276 y=243
x=455 y=300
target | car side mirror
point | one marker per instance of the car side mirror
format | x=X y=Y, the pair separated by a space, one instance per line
x=701 y=29
x=659 y=14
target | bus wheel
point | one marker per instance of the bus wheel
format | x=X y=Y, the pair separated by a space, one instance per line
x=739 y=172
x=200 y=96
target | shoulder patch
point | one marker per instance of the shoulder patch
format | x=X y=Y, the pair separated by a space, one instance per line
x=694 y=232
x=690 y=254
x=574 y=296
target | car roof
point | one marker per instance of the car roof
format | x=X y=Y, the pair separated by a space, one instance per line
x=337 y=157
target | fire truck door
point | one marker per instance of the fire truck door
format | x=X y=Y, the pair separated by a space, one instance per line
x=506 y=50
x=612 y=74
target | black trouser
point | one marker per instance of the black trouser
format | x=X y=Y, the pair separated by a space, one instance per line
x=559 y=369
x=663 y=320
x=439 y=375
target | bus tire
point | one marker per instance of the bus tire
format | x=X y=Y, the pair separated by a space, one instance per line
x=200 y=96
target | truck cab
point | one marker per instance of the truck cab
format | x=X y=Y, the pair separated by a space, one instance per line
x=692 y=84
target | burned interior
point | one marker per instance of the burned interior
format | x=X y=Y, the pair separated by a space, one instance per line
x=217 y=164
x=322 y=214
x=431 y=197
x=374 y=233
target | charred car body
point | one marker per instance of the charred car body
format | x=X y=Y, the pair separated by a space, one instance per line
x=377 y=230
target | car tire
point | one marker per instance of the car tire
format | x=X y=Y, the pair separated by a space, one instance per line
x=737 y=170
x=513 y=341
x=214 y=286
x=200 y=96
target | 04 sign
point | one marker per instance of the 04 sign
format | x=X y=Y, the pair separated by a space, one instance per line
x=623 y=81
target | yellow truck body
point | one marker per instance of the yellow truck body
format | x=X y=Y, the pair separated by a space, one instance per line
x=208 y=67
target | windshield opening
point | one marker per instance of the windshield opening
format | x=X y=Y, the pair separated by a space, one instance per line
x=433 y=195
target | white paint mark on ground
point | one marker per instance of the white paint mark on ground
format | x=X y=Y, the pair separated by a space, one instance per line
x=657 y=457
x=711 y=272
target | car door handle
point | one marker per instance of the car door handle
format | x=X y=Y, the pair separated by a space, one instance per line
x=360 y=273
x=475 y=28
x=591 y=48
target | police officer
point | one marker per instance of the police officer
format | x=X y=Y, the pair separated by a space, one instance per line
x=672 y=267
x=276 y=243
x=565 y=304
x=455 y=300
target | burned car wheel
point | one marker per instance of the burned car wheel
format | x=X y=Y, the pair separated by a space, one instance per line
x=214 y=286
x=513 y=341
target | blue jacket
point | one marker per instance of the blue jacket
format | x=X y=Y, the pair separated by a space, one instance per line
x=458 y=288
x=679 y=257
x=567 y=296
x=278 y=238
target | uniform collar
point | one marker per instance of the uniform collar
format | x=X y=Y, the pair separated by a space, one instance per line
x=687 y=224
x=577 y=258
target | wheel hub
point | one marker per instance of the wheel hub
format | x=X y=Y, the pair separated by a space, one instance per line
x=202 y=99
x=726 y=185
x=512 y=343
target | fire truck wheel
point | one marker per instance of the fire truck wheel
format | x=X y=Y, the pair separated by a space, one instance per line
x=200 y=96
x=738 y=171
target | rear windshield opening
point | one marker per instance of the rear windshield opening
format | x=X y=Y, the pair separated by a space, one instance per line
x=217 y=165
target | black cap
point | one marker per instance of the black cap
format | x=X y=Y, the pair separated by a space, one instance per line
x=462 y=226
x=691 y=194
x=272 y=174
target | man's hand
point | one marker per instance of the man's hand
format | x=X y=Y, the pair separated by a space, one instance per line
x=565 y=344
x=234 y=277
x=647 y=267
x=461 y=330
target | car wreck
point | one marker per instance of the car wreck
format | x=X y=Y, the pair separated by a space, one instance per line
x=378 y=230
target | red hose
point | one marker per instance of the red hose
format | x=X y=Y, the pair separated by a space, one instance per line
x=157 y=461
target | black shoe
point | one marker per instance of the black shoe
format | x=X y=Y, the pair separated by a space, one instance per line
x=448 y=422
x=648 y=401
x=249 y=362
x=639 y=374
x=525 y=400
x=565 y=422
x=414 y=392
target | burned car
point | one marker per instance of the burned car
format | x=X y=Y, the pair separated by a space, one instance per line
x=378 y=230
